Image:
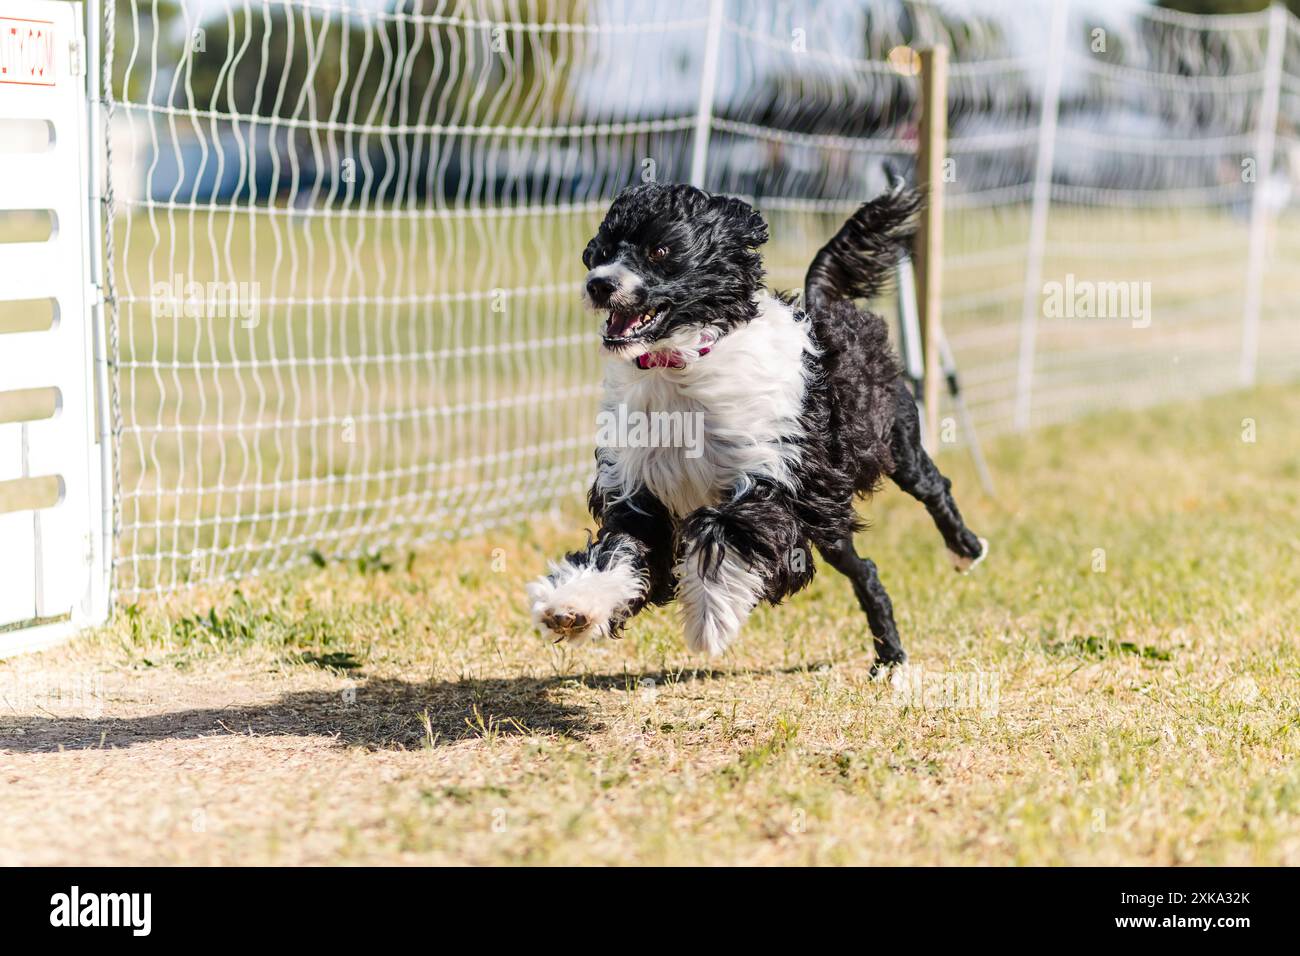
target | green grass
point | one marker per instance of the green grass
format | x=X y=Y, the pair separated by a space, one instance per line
x=399 y=710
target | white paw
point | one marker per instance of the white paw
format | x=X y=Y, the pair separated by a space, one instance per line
x=580 y=603
x=962 y=564
x=556 y=617
x=715 y=608
x=898 y=675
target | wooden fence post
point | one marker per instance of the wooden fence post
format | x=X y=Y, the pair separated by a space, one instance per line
x=931 y=156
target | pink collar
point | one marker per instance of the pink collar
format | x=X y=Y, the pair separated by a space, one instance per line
x=677 y=358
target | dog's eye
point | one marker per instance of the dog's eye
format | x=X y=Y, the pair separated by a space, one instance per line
x=658 y=254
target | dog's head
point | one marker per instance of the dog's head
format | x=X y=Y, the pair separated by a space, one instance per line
x=670 y=261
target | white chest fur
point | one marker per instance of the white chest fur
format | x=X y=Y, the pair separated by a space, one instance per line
x=744 y=400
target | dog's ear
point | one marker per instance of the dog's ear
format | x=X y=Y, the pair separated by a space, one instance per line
x=741 y=219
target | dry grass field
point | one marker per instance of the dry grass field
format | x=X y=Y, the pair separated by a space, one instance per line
x=1117 y=684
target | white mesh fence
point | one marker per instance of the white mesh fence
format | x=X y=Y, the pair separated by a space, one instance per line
x=346 y=234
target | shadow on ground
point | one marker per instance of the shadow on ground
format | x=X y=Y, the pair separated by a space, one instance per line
x=376 y=713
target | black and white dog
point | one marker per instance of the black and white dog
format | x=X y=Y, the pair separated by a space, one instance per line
x=801 y=410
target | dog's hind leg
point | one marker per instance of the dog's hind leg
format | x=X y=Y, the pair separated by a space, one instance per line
x=872 y=597
x=916 y=473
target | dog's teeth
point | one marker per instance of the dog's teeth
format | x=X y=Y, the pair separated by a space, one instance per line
x=621 y=325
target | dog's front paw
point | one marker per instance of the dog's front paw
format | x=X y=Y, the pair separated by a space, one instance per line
x=577 y=603
x=557 y=615
x=568 y=623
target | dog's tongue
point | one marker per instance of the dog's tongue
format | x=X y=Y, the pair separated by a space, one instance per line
x=620 y=322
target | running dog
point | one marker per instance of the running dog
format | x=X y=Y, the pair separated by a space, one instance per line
x=802 y=405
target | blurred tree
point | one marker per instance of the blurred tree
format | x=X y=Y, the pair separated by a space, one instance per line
x=341 y=77
x=1222 y=6
x=827 y=95
x=142 y=32
x=278 y=59
x=1171 y=48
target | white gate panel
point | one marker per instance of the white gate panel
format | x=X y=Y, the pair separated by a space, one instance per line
x=51 y=554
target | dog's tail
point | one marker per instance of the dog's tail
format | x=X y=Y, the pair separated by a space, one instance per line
x=857 y=262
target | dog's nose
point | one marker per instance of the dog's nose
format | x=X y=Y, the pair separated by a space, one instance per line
x=600 y=288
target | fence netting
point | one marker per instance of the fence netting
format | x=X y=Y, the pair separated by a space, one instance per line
x=346 y=234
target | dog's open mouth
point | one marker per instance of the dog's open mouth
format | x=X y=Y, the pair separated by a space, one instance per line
x=623 y=327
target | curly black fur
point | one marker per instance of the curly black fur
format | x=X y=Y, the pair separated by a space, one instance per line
x=645 y=524
x=763 y=528
x=856 y=263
